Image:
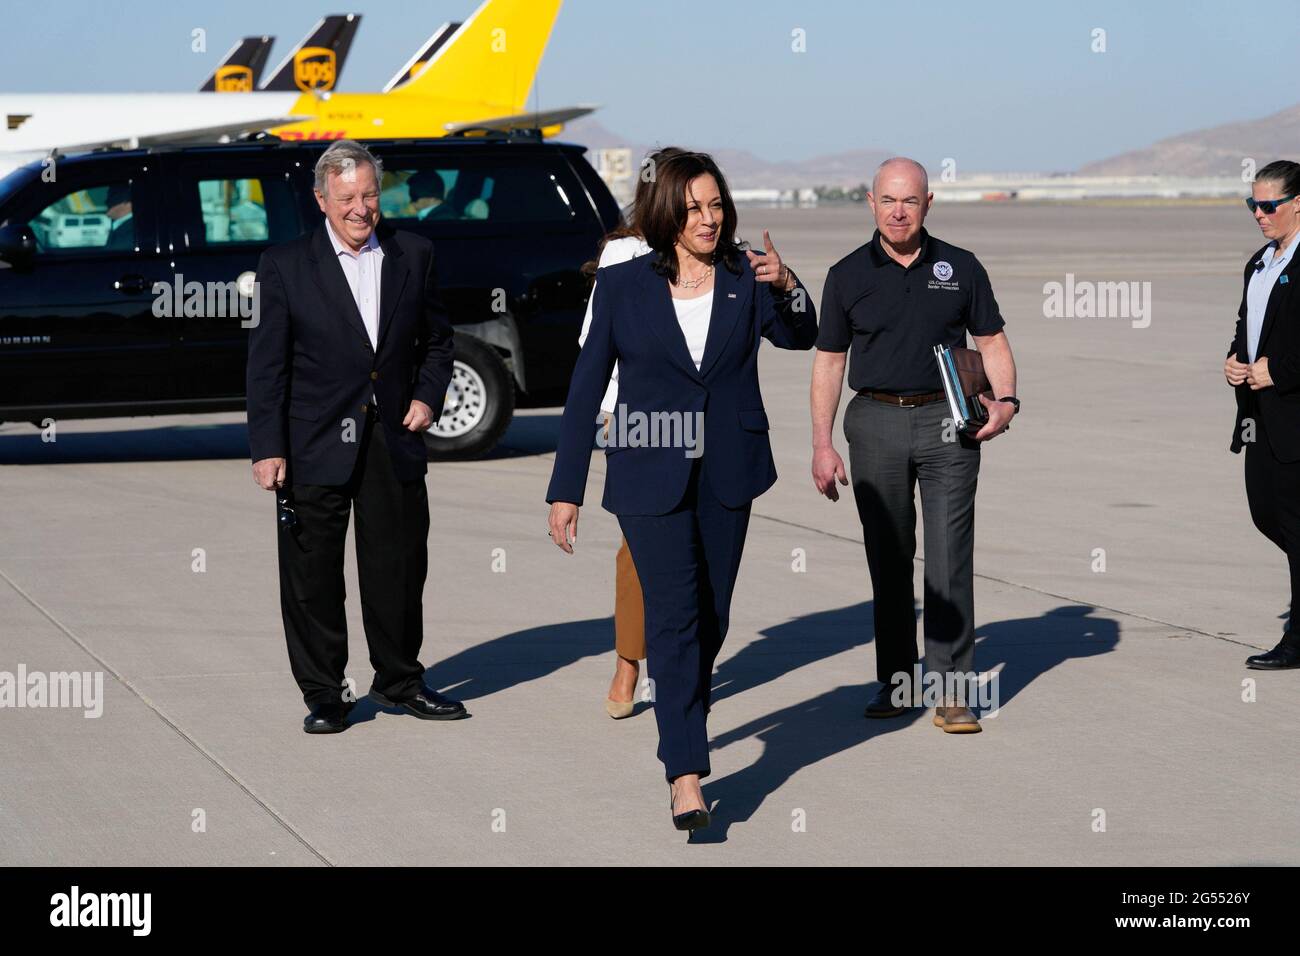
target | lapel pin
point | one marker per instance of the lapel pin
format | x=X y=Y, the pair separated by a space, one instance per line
x=1284 y=280
x=732 y=295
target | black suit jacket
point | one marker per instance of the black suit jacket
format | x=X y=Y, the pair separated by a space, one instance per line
x=312 y=369
x=1278 y=407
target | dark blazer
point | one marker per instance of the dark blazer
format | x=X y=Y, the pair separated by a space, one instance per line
x=1278 y=407
x=634 y=323
x=311 y=366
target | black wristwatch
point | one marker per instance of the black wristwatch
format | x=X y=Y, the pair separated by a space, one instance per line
x=1013 y=400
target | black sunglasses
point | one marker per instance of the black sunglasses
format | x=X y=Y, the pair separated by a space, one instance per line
x=1269 y=206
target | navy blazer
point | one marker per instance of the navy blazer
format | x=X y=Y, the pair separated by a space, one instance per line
x=1278 y=407
x=634 y=323
x=312 y=369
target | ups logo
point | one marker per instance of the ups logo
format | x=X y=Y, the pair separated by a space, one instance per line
x=234 y=79
x=314 y=68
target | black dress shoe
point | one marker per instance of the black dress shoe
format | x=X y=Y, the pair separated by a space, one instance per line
x=326 y=720
x=427 y=705
x=1283 y=657
x=882 y=704
x=691 y=819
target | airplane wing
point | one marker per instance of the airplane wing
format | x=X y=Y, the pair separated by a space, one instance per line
x=80 y=121
x=539 y=119
x=212 y=134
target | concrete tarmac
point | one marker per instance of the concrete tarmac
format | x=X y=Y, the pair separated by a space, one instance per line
x=1129 y=731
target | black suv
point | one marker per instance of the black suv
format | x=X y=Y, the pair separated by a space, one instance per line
x=112 y=266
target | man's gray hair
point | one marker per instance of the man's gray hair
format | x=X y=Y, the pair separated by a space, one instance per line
x=342 y=159
x=894 y=160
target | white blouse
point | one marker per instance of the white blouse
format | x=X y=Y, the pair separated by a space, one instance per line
x=693 y=316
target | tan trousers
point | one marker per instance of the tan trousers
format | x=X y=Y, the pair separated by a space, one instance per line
x=629 y=608
x=629 y=603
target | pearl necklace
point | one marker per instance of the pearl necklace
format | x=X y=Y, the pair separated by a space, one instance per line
x=683 y=283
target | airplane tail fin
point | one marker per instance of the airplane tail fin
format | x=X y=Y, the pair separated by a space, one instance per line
x=416 y=64
x=241 y=68
x=316 y=63
x=493 y=57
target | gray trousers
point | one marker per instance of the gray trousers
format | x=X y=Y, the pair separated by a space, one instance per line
x=891 y=450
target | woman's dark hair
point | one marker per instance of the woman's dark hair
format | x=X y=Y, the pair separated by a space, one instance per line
x=645 y=184
x=664 y=216
x=1281 y=171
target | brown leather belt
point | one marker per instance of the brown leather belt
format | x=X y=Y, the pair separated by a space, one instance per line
x=903 y=401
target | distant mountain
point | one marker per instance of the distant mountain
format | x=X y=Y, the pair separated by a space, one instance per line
x=1217 y=151
x=744 y=170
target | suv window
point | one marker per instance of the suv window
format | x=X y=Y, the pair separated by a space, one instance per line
x=477 y=189
x=235 y=209
x=87 y=217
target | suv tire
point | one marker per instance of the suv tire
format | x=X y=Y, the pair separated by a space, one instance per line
x=480 y=403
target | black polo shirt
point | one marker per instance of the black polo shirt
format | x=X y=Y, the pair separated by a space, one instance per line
x=892 y=317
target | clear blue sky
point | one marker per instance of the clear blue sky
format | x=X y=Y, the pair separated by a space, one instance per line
x=1006 y=85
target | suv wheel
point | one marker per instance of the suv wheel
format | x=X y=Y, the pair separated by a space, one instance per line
x=480 y=403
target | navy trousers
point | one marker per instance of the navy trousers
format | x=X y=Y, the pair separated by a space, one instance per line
x=687 y=561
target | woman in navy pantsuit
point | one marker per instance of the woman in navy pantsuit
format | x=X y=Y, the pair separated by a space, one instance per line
x=688 y=451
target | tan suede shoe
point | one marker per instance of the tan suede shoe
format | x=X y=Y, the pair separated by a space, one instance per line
x=619 y=709
x=956 y=720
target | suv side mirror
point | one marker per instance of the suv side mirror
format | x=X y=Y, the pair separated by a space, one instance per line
x=17 y=243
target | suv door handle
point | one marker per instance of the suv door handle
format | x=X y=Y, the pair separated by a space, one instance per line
x=133 y=284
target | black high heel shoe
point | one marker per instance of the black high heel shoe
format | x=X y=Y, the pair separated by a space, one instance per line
x=691 y=819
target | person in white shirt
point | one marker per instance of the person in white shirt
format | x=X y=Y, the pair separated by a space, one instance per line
x=1263 y=367
x=622 y=245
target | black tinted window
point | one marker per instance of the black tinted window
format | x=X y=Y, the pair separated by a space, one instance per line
x=236 y=207
x=478 y=189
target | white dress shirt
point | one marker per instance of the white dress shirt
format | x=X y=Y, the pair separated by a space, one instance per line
x=1260 y=288
x=362 y=270
x=616 y=250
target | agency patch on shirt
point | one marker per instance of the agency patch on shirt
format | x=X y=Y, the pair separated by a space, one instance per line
x=943 y=278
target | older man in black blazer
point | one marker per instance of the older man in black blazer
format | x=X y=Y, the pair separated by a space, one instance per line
x=348 y=364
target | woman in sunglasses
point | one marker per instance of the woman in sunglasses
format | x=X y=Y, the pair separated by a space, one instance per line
x=1263 y=366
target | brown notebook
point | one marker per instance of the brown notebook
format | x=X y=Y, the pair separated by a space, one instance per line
x=962 y=371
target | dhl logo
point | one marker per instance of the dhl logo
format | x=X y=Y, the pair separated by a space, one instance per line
x=234 y=79
x=293 y=134
x=314 y=68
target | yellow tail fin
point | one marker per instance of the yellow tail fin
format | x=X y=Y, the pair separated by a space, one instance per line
x=492 y=58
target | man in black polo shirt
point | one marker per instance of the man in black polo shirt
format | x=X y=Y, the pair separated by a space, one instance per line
x=890 y=302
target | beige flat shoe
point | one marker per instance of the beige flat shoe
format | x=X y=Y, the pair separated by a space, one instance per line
x=618 y=709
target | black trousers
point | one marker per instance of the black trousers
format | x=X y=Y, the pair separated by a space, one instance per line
x=1273 y=492
x=687 y=561
x=892 y=451
x=392 y=561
